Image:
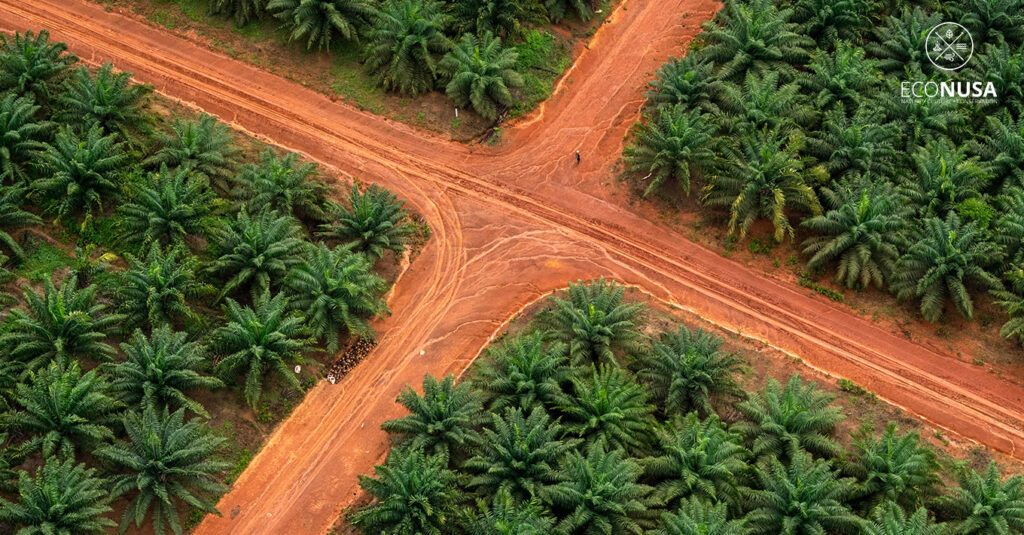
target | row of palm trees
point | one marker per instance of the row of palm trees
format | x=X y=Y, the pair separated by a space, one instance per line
x=580 y=425
x=791 y=112
x=415 y=46
x=191 y=272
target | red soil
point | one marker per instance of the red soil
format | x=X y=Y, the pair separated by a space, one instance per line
x=509 y=225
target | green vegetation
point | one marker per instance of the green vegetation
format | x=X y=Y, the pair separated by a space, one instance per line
x=642 y=443
x=115 y=335
x=791 y=113
x=465 y=48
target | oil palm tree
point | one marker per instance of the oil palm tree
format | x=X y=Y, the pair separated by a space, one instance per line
x=1004 y=67
x=764 y=177
x=336 y=290
x=890 y=519
x=685 y=369
x=945 y=177
x=159 y=369
x=946 y=258
x=899 y=45
x=804 y=497
x=1001 y=146
x=920 y=120
x=697 y=517
x=601 y=493
x=993 y=20
x=609 y=407
x=593 y=321
x=827 y=22
x=508 y=516
x=60 y=323
x=12 y=218
x=283 y=184
x=559 y=10
x=22 y=137
x=405 y=43
x=441 y=421
x=893 y=468
x=482 y=74
x=862 y=234
x=63 y=409
x=502 y=17
x=375 y=221
x=257 y=341
x=761 y=102
x=783 y=422
x=697 y=459
x=841 y=77
x=108 y=99
x=687 y=81
x=522 y=372
x=82 y=171
x=1012 y=301
x=318 y=22
x=757 y=37
x=858 y=145
x=203 y=146
x=62 y=499
x=519 y=454
x=984 y=503
x=256 y=252
x=166 y=462
x=240 y=11
x=167 y=207
x=30 y=65
x=673 y=145
x=155 y=289
x=414 y=493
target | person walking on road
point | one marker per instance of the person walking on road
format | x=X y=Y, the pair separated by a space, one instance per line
x=577 y=157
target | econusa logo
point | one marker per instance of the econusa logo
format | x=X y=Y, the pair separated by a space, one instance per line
x=948 y=46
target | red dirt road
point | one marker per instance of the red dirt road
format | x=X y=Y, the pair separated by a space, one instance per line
x=509 y=225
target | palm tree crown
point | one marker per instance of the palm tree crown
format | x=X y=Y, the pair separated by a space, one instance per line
x=336 y=290
x=522 y=372
x=415 y=493
x=442 y=420
x=282 y=184
x=30 y=64
x=167 y=461
x=593 y=322
x=946 y=257
x=406 y=42
x=318 y=22
x=166 y=207
x=375 y=222
x=672 y=145
x=158 y=369
x=482 y=72
x=785 y=421
x=82 y=171
x=22 y=137
x=62 y=409
x=62 y=499
x=109 y=99
x=685 y=369
x=60 y=323
x=255 y=252
x=260 y=340
x=155 y=289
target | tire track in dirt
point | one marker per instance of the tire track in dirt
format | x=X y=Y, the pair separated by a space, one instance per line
x=507 y=229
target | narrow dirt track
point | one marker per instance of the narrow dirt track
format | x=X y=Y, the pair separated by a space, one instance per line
x=510 y=224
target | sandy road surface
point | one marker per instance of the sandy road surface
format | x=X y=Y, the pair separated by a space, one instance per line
x=509 y=225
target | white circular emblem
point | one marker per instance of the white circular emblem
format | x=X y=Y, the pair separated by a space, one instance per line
x=949 y=46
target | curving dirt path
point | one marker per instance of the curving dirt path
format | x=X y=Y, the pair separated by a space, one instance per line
x=509 y=224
